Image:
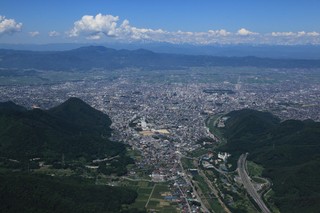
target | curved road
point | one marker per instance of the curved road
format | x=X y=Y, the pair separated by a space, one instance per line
x=248 y=185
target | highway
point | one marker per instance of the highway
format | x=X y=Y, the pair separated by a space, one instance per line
x=248 y=184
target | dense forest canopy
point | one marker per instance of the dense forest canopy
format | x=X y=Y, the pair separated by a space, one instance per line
x=288 y=151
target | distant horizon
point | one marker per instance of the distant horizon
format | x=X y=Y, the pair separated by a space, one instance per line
x=176 y=22
x=224 y=50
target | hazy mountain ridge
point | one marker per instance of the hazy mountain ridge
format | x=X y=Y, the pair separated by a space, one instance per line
x=86 y=58
x=241 y=50
x=288 y=151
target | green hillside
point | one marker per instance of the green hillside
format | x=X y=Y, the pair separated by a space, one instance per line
x=10 y=106
x=43 y=158
x=80 y=114
x=289 y=152
x=242 y=127
x=35 y=193
x=72 y=129
x=249 y=122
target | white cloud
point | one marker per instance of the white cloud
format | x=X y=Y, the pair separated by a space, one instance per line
x=221 y=32
x=127 y=31
x=301 y=33
x=53 y=33
x=295 y=34
x=294 y=38
x=9 y=26
x=100 y=26
x=245 y=32
x=94 y=37
x=109 y=26
x=313 y=34
x=95 y=26
x=282 y=34
x=34 y=34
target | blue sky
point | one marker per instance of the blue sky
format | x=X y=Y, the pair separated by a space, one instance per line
x=175 y=21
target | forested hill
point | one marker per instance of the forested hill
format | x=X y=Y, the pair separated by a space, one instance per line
x=90 y=57
x=44 y=156
x=73 y=129
x=38 y=193
x=289 y=152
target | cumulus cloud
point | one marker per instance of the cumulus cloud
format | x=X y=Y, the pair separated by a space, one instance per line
x=95 y=26
x=108 y=26
x=53 y=33
x=9 y=26
x=34 y=33
x=245 y=32
x=128 y=31
x=99 y=26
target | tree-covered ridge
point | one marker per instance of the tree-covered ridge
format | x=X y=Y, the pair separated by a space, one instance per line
x=73 y=129
x=10 y=106
x=289 y=152
x=36 y=193
x=249 y=122
x=47 y=160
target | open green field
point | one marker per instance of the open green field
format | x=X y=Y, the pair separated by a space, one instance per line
x=151 y=196
x=198 y=152
x=206 y=195
x=158 y=203
x=187 y=163
x=143 y=188
x=254 y=169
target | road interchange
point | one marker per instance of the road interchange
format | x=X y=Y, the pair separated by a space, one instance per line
x=248 y=184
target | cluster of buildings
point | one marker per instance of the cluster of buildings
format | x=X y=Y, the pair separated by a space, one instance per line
x=163 y=120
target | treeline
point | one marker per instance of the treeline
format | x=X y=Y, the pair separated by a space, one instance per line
x=117 y=166
x=44 y=194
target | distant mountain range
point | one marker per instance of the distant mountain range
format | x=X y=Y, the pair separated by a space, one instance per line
x=73 y=129
x=289 y=151
x=86 y=58
x=240 y=50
